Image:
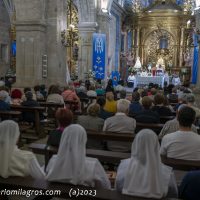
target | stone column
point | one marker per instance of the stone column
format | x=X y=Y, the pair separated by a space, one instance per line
x=137 y=41
x=30 y=49
x=176 y=56
x=86 y=29
x=181 y=47
x=38 y=27
x=30 y=38
x=57 y=56
x=104 y=26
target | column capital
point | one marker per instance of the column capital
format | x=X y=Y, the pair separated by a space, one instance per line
x=106 y=16
x=87 y=26
x=31 y=26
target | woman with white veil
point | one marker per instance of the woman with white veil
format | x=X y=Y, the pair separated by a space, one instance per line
x=71 y=165
x=143 y=174
x=16 y=162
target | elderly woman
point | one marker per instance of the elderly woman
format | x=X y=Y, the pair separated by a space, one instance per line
x=92 y=91
x=15 y=162
x=111 y=104
x=16 y=96
x=120 y=123
x=64 y=118
x=71 y=165
x=155 y=179
x=93 y=122
x=159 y=106
x=54 y=95
x=135 y=106
x=3 y=104
x=147 y=115
x=69 y=94
x=30 y=102
x=28 y=89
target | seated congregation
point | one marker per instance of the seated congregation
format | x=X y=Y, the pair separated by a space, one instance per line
x=107 y=110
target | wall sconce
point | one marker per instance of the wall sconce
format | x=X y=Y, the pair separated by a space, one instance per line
x=106 y=6
x=104 y=10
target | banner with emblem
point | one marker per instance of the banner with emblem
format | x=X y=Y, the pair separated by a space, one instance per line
x=99 y=53
x=115 y=76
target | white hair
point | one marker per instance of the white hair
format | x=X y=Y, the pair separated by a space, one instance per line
x=123 y=105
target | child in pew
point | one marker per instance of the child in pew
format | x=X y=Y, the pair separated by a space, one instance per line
x=64 y=117
x=143 y=174
x=16 y=162
x=71 y=165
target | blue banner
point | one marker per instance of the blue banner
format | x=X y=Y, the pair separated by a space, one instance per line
x=195 y=59
x=99 y=53
x=13 y=48
x=115 y=76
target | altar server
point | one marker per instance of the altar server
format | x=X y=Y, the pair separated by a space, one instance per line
x=176 y=80
x=131 y=80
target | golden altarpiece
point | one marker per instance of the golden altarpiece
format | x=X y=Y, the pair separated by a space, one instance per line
x=162 y=35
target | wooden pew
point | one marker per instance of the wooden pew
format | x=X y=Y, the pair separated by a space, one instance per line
x=51 y=104
x=64 y=190
x=10 y=114
x=71 y=104
x=179 y=164
x=164 y=119
x=36 y=111
x=155 y=127
x=111 y=136
x=103 y=156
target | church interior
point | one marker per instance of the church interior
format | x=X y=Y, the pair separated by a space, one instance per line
x=99 y=99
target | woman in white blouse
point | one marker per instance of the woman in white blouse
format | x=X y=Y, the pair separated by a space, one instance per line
x=143 y=174
x=16 y=162
x=71 y=165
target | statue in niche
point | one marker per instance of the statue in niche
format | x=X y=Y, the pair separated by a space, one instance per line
x=188 y=58
x=138 y=64
x=75 y=51
x=130 y=60
x=160 y=62
x=123 y=66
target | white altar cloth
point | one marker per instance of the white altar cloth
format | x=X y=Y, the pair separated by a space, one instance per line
x=145 y=80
